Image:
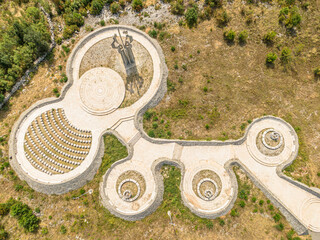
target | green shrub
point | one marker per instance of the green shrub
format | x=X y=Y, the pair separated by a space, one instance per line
x=155 y=125
x=96 y=7
x=271 y=57
x=171 y=86
x=253 y=199
x=209 y=224
x=229 y=35
x=173 y=48
x=177 y=7
x=279 y=226
x=3 y=234
x=234 y=213
x=1 y=98
x=114 y=7
x=44 y=231
x=65 y=48
x=59 y=41
x=207 y=126
x=63 y=229
x=290 y=17
x=191 y=16
x=82 y=191
x=271 y=207
x=68 y=31
x=285 y=55
x=74 y=19
x=269 y=38
x=151 y=133
x=276 y=217
x=147 y=115
x=4 y=209
x=261 y=202
x=242 y=36
x=214 y=3
x=222 y=222
x=153 y=33
x=222 y=17
x=102 y=23
x=242 y=204
x=137 y=5
x=29 y=222
x=18 y=187
x=316 y=72
x=184 y=67
x=25 y=216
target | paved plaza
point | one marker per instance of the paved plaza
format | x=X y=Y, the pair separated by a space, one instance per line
x=57 y=145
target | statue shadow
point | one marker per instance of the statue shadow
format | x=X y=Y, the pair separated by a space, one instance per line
x=134 y=80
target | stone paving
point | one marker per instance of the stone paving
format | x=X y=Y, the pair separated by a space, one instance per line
x=90 y=106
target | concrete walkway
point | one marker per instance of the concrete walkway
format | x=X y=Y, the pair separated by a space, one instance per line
x=206 y=166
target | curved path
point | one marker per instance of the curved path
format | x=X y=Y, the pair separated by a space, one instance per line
x=208 y=186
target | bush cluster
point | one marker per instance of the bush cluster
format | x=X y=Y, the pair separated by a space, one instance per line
x=22 y=40
x=271 y=58
x=269 y=38
x=22 y=212
x=290 y=17
x=191 y=16
x=229 y=35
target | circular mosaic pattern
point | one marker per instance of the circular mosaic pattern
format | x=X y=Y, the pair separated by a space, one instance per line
x=102 y=91
x=206 y=185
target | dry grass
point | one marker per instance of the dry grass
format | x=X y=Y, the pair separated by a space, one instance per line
x=225 y=87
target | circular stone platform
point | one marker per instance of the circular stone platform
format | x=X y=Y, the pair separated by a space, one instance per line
x=310 y=212
x=284 y=147
x=102 y=91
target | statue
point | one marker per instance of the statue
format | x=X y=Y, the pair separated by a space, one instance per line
x=124 y=48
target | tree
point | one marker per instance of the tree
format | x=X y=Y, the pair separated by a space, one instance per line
x=38 y=38
x=177 y=7
x=114 y=7
x=74 y=19
x=191 y=16
x=23 y=56
x=137 y=5
x=69 y=30
x=34 y=13
x=96 y=7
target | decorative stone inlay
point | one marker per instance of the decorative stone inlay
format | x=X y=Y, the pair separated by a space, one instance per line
x=102 y=91
x=274 y=136
x=126 y=195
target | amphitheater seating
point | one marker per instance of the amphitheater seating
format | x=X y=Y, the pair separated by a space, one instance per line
x=53 y=145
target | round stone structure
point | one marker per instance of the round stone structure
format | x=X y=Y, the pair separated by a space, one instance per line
x=209 y=194
x=102 y=91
